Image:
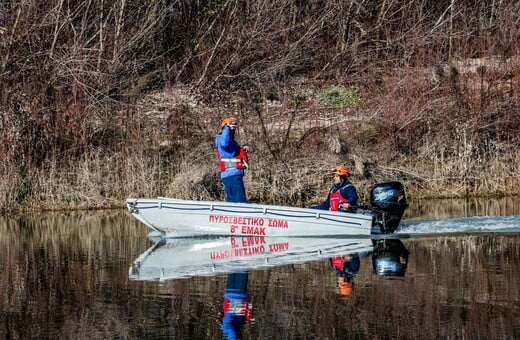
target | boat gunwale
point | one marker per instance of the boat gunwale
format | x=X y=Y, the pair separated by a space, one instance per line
x=265 y=209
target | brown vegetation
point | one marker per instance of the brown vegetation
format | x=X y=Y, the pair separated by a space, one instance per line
x=104 y=99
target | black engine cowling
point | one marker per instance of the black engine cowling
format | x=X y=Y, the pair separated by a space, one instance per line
x=388 y=201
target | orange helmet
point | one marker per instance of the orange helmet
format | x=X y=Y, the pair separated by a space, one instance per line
x=345 y=288
x=228 y=121
x=341 y=170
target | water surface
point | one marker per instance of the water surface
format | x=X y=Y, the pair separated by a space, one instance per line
x=451 y=271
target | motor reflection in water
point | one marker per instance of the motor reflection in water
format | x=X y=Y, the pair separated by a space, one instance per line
x=390 y=258
x=237 y=308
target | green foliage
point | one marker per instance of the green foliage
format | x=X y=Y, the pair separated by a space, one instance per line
x=338 y=96
x=213 y=7
x=296 y=100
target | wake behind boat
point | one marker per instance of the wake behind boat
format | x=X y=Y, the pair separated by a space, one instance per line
x=175 y=258
x=186 y=218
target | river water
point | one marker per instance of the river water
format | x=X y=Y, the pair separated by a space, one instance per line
x=452 y=270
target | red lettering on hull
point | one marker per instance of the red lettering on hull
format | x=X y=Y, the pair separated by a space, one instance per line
x=247 y=230
x=248 y=225
x=243 y=220
x=273 y=223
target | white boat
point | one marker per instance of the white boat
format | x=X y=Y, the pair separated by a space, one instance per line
x=187 y=257
x=185 y=218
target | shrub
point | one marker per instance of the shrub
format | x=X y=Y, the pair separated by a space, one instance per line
x=338 y=96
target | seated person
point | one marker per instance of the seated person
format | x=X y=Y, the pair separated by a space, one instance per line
x=343 y=195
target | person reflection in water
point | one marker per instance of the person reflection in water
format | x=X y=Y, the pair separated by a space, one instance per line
x=346 y=268
x=237 y=307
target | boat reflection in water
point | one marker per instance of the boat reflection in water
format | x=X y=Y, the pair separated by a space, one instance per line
x=175 y=258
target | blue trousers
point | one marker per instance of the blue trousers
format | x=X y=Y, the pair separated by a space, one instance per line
x=234 y=189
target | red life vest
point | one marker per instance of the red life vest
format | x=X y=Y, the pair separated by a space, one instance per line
x=335 y=198
x=238 y=307
x=337 y=262
x=240 y=161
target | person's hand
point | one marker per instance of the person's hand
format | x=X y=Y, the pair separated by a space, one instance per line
x=246 y=147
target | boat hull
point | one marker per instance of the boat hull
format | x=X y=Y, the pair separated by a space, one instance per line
x=184 y=218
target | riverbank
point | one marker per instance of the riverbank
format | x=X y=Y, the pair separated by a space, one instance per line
x=165 y=148
x=172 y=154
x=99 y=103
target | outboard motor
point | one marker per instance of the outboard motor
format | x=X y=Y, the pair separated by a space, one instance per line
x=388 y=201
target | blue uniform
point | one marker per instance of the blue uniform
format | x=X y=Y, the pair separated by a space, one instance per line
x=231 y=177
x=346 y=189
x=237 y=309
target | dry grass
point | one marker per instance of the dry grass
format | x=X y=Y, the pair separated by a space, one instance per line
x=290 y=163
x=427 y=96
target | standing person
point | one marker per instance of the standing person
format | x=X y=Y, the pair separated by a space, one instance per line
x=232 y=161
x=343 y=194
